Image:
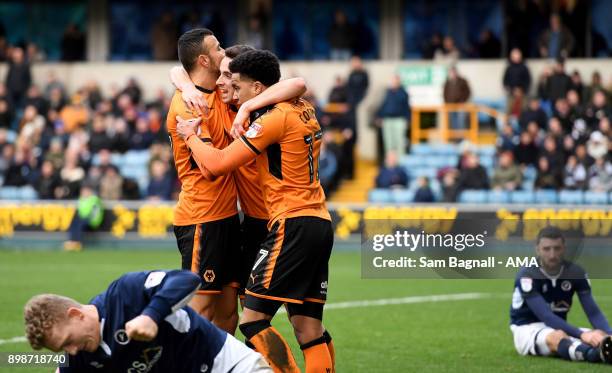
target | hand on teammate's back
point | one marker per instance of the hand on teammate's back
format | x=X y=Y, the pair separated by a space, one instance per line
x=240 y=122
x=187 y=127
x=194 y=99
x=141 y=328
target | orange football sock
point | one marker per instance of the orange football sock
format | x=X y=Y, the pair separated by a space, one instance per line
x=330 y=347
x=317 y=356
x=271 y=345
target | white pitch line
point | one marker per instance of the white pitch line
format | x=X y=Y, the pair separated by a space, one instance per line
x=404 y=300
x=358 y=304
x=13 y=340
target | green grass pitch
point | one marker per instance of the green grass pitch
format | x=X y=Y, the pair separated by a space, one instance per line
x=447 y=336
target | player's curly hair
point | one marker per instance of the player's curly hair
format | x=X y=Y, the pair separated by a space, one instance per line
x=258 y=65
x=236 y=50
x=190 y=46
x=41 y=313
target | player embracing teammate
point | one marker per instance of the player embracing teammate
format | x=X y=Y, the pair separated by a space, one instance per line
x=292 y=263
x=276 y=158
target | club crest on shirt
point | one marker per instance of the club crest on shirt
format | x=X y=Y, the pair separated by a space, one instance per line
x=526 y=284
x=209 y=275
x=254 y=130
x=566 y=285
x=121 y=337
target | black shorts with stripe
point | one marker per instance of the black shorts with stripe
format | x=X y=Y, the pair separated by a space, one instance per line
x=292 y=263
x=253 y=232
x=210 y=249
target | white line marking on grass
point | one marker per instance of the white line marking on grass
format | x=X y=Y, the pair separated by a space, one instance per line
x=404 y=300
x=13 y=340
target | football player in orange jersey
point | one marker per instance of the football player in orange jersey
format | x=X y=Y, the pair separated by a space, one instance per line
x=206 y=223
x=292 y=266
x=254 y=223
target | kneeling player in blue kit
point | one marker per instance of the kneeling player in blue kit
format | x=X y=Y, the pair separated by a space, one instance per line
x=139 y=324
x=542 y=299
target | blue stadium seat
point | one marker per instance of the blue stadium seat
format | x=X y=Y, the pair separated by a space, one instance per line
x=421 y=171
x=9 y=192
x=522 y=196
x=487 y=162
x=446 y=149
x=530 y=173
x=402 y=195
x=27 y=193
x=546 y=196
x=411 y=161
x=136 y=157
x=485 y=151
x=596 y=198
x=379 y=196
x=571 y=197
x=424 y=149
x=498 y=196
x=527 y=185
x=473 y=196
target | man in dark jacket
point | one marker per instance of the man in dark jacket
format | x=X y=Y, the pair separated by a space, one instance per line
x=456 y=91
x=559 y=82
x=393 y=115
x=473 y=176
x=517 y=74
x=19 y=78
x=392 y=175
x=533 y=113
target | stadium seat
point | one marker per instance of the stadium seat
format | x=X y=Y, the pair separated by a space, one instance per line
x=546 y=196
x=487 y=162
x=9 y=192
x=379 y=196
x=527 y=185
x=530 y=173
x=424 y=149
x=473 y=196
x=422 y=171
x=486 y=151
x=402 y=195
x=522 y=196
x=498 y=196
x=596 y=198
x=571 y=197
x=136 y=157
x=411 y=161
x=27 y=193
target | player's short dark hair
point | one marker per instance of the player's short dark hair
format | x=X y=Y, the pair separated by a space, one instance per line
x=190 y=46
x=236 y=50
x=550 y=232
x=258 y=65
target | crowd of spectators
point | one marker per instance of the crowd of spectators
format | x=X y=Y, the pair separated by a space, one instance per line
x=54 y=140
x=560 y=129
